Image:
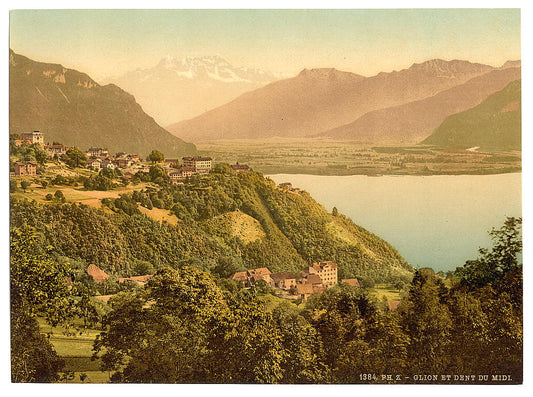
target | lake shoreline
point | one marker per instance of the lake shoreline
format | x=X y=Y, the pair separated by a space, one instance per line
x=329 y=172
x=436 y=221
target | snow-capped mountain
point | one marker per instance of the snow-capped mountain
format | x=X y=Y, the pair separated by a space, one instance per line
x=215 y=68
x=177 y=89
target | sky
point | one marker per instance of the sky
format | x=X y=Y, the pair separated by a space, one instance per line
x=105 y=43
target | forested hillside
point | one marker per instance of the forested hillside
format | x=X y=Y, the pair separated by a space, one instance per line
x=227 y=223
x=495 y=124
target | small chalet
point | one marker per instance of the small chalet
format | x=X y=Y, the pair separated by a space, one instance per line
x=55 y=150
x=252 y=276
x=283 y=280
x=25 y=168
x=304 y=291
x=393 y=305
x=139 y=280
x=97 y=274
x=239 y=168
x=97 y=152
x=352 y=282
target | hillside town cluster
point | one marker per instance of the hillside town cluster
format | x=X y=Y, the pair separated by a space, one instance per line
x=128 y=163
x=313 y=279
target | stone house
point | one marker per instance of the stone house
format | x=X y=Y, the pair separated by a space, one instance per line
x=283 y=280
x=201 y=165
x=327 y=271
x=33 y=137
x=239 y=168
x=352 y=282
x=252 y=276
x=25 y=168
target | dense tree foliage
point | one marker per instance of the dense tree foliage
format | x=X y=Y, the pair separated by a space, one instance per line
x=26 y=151
x=191 y=324
x=155 y=156
x=192 y=329
x=293 y=230
x=37 y=286
x=74 y=157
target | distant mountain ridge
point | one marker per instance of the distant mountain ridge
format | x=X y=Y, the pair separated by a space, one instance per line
x=177 y=89
x=493 y=124
x=414 y=121
x=70 y=107
x=320 y=100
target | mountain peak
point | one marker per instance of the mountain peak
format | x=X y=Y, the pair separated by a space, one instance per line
x=327 y=74
x=69 y=107
x=512 y=64
x=442 y=67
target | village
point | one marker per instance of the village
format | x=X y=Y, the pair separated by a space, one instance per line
x=129 y=163
x=313 y=280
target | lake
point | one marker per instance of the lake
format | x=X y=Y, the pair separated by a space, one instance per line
x=433 y=221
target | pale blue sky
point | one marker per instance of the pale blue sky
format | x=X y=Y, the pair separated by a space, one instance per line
x=110 y=42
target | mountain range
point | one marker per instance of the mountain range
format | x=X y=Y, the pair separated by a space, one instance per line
x=410 y=123
x=493 y=124
x=70 y=107
x=407 y=104
x=400 y=107
x=178 y=89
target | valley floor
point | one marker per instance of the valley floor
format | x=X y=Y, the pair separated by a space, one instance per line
x=328 y=157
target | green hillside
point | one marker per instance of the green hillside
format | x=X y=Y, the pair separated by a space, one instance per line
x=71 y=108
x=227 y=223
x=495 y=124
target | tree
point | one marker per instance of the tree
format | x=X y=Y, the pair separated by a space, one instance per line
x=155 y=156
x=59 y=196
x=158 y=174
x=40 y=155
x=74 y=157
x=222 y=168
x=427 y=321
x=335 y=211
x=12 y=185
x=165 y=342
x=504 y=257
x=37 y=286
x=24 y=185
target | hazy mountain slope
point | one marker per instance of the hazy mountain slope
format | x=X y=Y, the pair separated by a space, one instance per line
x=322 y=99
x=70 y=107
x=414 y=121
x=178 y=89
x=494 y=124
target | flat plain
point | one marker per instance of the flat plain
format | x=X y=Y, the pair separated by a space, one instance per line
x=329 y=157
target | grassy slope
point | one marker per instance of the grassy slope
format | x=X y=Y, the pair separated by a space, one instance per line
x=76 y=351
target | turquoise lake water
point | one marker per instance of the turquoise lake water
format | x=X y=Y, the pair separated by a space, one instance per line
x=433 y=221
